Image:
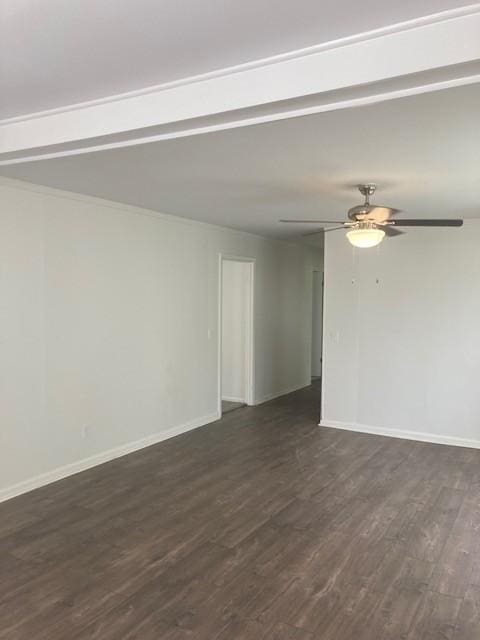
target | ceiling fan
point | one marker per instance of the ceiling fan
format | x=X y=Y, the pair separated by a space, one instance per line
x=368 y=223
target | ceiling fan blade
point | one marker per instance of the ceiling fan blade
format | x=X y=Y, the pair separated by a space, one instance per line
x=343 y=226
x=393 y=212
x=381 y=214
x=445 y=222
x=314 y=233
x=373 y=212
x=390 y=231
x=311 y=221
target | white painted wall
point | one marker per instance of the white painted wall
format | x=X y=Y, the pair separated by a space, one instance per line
x=235 y=311
x=105 y=318
x=402 y=340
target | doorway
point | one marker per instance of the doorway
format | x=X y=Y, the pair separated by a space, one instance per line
x=317 y=325
x=236 y=333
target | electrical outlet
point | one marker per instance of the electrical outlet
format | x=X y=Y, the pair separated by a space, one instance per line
x=85 y=431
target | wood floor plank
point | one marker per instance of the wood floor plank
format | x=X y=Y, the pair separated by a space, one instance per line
x=430 y=532
x=283 y=631
x=261 y=526
x=468 y=621
x=436 y=617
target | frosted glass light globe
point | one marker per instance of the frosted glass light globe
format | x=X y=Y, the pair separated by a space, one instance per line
x=365 y=237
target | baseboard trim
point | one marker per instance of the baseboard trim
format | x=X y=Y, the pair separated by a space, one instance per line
x=232 y=399
x=420 y=436
x=99 y=458
x=284 y=392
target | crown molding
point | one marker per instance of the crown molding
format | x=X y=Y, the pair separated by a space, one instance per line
x=267 y=89
x=95 y=201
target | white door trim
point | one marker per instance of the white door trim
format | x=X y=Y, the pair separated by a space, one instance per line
x=250 y=330
x=319 y=271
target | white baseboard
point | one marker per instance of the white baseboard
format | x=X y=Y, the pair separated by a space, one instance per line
x=232 y=399
x=100 y=458
x=420 y=436
x=284 y=392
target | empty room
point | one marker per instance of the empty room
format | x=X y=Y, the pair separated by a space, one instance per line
x=239 y=320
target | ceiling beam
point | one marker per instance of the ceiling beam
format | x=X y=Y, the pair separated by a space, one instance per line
x=416 y=56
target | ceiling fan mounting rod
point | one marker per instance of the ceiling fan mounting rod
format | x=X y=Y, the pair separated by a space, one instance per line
x=367 y=190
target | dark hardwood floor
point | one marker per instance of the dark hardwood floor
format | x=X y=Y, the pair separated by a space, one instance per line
x=228 y=406
x=262 y=525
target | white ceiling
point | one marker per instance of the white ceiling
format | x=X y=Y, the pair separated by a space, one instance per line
x=57 y=52
x=424 y=151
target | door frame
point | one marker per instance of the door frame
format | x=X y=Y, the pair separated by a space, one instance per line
x=250 y=329
x=322 y=296
x=322 y=379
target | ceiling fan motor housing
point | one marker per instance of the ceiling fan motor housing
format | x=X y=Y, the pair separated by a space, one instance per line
x=359 y=211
